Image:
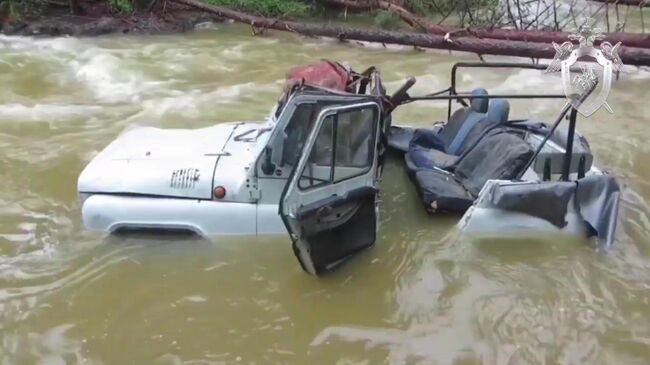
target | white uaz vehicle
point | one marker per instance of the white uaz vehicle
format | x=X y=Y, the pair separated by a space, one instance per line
x=253 y=178
x=314 y=168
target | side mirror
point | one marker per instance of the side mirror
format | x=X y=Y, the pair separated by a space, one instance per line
x=267 y=166
x=276 y=148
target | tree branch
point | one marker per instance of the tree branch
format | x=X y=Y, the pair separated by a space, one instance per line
x=629 y=55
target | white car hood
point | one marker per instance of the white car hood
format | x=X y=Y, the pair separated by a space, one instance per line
x=158 y=162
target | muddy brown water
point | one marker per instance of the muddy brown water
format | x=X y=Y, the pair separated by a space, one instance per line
x=423 y=295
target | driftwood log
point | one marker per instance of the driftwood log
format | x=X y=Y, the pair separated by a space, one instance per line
x=625 y=2
x=629 y=55
x=627 y=39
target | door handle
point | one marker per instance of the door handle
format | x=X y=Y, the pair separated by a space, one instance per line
x=323 y=211
x=334 y=201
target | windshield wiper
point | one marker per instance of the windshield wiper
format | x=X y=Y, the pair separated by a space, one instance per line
x=240 y=137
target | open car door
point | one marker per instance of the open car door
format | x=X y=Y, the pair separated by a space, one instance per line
x=329 y=205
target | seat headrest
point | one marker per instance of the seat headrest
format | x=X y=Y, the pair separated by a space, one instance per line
x=498 y=111
x=479 y=105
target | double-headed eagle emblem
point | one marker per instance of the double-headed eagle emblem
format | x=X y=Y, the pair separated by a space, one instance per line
x=586 y=35
x=580 y=87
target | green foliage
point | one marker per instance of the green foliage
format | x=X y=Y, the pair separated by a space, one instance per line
x=12 y=10
x=123 y=6
x=432 y=6
x=387 y=20
x=467 y=12
x=7 y=10
x=447 y=6
x=266 y=7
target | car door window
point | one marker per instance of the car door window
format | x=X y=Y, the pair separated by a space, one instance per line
x=318 y=170
x=297 y=132
x=343 y=148
x=355 y=132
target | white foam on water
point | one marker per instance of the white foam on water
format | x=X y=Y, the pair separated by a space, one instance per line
x=386 y=46
x=228 y=93
x=181 y=61
x=634 y=73
x=105 y=72
x=193 y=103
x=433 y=344
x=208 y=25
x=193 y=299
x=185 y=105
x=530 y=81
x=3 y=62
x=55 y=44
x=54 y=346
x=17 y=238
x=45 y=112
x=424 y=84
x=235 y=52
x=109 y=79
x=318 y=42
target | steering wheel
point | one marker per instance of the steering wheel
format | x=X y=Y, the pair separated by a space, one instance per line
x=401 y=94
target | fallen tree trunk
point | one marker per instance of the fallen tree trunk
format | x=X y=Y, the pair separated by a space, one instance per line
x=408 y=17
x=625 y=2
x=627 y=39
x=629 y=55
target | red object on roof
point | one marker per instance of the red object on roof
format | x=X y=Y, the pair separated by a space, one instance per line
x=325 y=74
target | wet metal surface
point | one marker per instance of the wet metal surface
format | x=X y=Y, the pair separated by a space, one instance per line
x=423 y=295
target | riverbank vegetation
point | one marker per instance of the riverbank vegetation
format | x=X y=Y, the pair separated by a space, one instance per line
x=18 y=9
x=524 y=28
x=293 y=8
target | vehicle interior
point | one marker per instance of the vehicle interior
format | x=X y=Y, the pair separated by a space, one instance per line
x=451 y=162
x=329 y=205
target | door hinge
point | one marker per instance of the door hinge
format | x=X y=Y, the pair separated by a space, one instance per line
x=254 y=193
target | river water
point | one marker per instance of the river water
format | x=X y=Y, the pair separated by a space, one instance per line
x=423 y=295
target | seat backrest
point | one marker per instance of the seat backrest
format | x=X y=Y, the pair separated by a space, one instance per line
x=550 y=160
x=498 y=111
x=499 y=155
x=497 y=115
x=476 y=111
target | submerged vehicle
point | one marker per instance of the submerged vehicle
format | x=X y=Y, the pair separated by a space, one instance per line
x=313 y=169
x=508 y=176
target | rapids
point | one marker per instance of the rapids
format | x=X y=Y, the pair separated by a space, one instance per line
x=423 y=295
